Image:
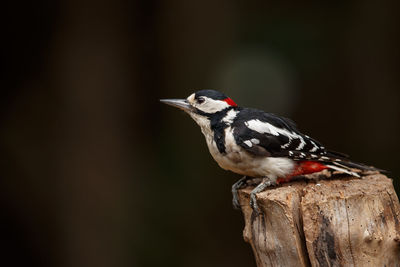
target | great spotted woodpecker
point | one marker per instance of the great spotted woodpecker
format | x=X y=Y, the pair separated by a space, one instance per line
x=258 y=144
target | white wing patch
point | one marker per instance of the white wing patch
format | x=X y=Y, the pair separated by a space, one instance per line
x=248 y=143
x=255 y=141
x=251 y=142
x=315 y=148
x=302 y=143
x=287 y=144
x=265 y=127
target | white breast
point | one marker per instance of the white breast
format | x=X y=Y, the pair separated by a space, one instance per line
x=238 y=160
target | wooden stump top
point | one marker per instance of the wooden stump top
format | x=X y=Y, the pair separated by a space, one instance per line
x=334 y=222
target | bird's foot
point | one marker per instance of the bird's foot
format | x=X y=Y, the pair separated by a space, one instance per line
x=235 y=187
x=261 y=187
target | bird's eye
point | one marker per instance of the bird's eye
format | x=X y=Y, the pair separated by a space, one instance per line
x=200 y=100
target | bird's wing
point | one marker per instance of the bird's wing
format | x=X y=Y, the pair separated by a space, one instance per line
x=263 y=138
x=277 y=139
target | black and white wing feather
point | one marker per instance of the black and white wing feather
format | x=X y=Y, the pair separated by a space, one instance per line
x=278 y=136
x=265 y=134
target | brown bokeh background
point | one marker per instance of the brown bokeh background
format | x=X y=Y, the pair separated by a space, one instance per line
x=96 y=172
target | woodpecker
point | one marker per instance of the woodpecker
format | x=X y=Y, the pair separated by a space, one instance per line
x=259 y=144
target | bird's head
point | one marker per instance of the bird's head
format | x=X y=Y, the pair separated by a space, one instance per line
x=203 y=105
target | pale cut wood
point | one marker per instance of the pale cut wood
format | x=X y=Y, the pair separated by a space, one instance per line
x=276 y=236
x=334 y=222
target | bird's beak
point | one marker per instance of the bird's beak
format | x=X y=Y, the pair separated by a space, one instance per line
x=178 y=103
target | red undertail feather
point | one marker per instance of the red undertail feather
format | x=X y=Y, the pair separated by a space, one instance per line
x=230 y=102
x=304 y=167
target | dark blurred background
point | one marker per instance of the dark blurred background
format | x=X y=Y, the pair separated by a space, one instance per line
x=96 y=172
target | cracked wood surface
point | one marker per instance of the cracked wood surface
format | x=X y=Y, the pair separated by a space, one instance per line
x=335 y=222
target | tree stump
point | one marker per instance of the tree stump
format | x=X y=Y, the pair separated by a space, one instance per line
x=334 y=222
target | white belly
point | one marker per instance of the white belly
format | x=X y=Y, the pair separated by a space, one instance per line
x=238 y=160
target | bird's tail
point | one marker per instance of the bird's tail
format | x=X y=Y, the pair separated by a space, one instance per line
x=351 y=167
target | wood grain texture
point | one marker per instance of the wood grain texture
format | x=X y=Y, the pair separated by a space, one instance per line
x=335 y=222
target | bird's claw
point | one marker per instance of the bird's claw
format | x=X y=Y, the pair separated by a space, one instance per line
x=253 y=204
x=235 y=195
x=253 y=195
x=235 y=201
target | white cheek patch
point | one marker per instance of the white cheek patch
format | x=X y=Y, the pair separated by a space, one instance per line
x=190 y=99
x=211 y=106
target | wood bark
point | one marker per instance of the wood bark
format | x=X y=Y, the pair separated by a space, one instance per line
x=334 y=222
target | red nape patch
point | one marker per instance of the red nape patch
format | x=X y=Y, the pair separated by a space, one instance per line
x=230 y=102
x=304 y=167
